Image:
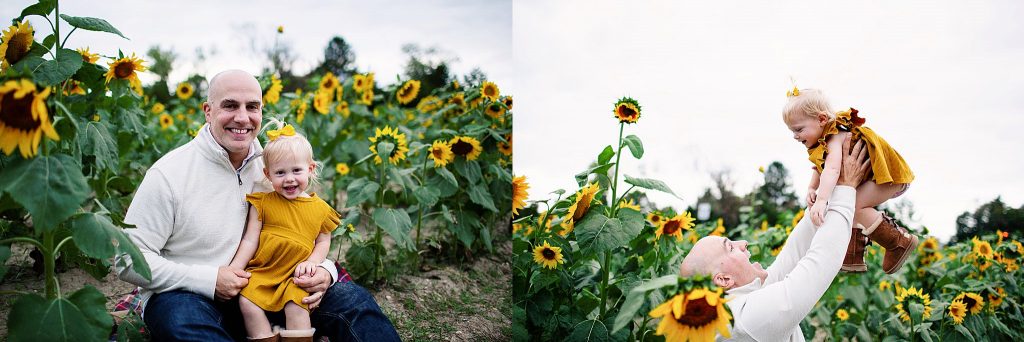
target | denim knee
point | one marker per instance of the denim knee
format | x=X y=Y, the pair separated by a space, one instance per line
x=349 y=313
x=184 y=316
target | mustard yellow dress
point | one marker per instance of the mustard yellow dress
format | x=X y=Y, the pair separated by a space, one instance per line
x=289 y=229
x=887 y=166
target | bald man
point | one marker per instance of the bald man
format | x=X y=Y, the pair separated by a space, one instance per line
x=190 y=213
x=768 y=304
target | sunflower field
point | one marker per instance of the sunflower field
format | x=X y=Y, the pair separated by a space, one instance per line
x=410 y=171
x=596 y=266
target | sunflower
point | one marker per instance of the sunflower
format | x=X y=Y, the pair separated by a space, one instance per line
x=166 y=121
x=342 y=168
x=455 y=84
x=505 y=147
x=125 y=69
x=88 y=57
x=366 y=97
x=458 y=99
x=441 y=153
x=627 y=110
x=720 y=229
x=280 y=29
x=476 y=102
x=995 y=298
x=408 y=91
x=507 y=100
x=17 y=40
x=342 y=109
x=655 y=218
x=982 y=248
x=929 y=244
x=362 y=82
x=675 y=226
x=548 y=256
x=429 y=104
x=398 y=153
x=273 y=93
x=74 y=88
x=842 y=315
x=490 y=90
x=322 y=101
x=579 y=207
x=23 y=117
x=465 y=146
x=301 y=106
x=957 y=311
x=519 y=194
x=629 y=204
x=495 y=110
x=328 y=82
x=972 y=300
x=693 y=316
x=158 y=108
x=796 y=218
x=185 y=90
x=884 y=285
x=904 y=296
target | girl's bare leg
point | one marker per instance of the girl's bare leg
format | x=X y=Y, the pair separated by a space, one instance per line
x=256 y=323
x=870 y=195
x=296 y=318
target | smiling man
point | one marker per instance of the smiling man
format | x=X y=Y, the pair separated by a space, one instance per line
x=190 y=213
x=768 y=304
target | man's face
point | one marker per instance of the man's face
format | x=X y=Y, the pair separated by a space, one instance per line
x=727 y=260
x=234 y=111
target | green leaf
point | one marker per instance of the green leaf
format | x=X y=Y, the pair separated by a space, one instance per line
x=49 y=41
x=96 y=236
x=352 y=218
x=34 y=318
x=426 y=195
x=469 y=169
x=95 y=140
x=652 y=184
x=91 y=24
x=635 y=146
x=963 y=331
x=606 y=155
x=599 y=169
x=41 y=8
x=466 y=225
x=597 y=233
x=51 y=188
x=384 y=149
x=589 y=330
x=397 y=224
x=587 y=301
x=401 y=176
x=359 y=259
x=502 y=173
x=478 y=194
x=361 y=190
x=5 y=253
x=635 y=299
x=448 y=176
x=52 y=72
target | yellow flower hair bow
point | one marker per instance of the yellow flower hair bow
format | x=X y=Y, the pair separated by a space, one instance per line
x=794 y=92
x=287 y=130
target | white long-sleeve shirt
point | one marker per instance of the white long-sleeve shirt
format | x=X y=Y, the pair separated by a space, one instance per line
x=803 y=271
x=189 y=213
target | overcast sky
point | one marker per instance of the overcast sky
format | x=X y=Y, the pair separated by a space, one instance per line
x=478 y=33
x=943 y=84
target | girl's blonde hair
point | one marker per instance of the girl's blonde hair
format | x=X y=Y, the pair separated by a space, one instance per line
x=809 y=102
x=286 y=146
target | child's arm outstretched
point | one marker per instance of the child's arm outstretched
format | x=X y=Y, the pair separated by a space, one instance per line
x=250 y=240
x=320 y=248
x=829 y=176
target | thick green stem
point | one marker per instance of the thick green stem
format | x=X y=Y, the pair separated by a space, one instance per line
x=378 y=264
x=604 y=282
x=615 y=181
x=49 y=265
x=419 y=221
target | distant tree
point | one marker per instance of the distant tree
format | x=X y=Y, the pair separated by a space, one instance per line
x=161 y=64
x=475 y=77
x=775 y=196
x=428 y=66
x=988 y=218
x=724 y=202
x=339 y=58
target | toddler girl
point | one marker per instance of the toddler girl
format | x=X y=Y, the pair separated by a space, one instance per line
x=287 y=235
x=813 y=123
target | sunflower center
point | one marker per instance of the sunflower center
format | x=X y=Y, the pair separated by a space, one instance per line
x=985 y=250
x=626 y=111
x=18 y=47
x=671 y=227
x=490 y=91
x=970 y=302
x=329 y=84
x=17 y=113
x=548 y=254
x=438 y=153
x=698 y=313
x=462 y=148
x=582 y=207
x=124 y=70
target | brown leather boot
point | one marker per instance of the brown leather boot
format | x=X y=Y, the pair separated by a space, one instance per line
x=854 y=261
x=274 y=338
x=898 y=243
x=297 y=335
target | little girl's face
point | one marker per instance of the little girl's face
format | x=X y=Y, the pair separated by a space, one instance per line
x=807 y=129
x=290 y=176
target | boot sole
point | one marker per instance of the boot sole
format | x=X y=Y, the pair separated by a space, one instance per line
x=910 y=249
x=854 y=268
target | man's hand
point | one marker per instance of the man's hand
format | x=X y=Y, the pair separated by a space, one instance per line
x=229 y=282
x=316 y=285
x=855 y=164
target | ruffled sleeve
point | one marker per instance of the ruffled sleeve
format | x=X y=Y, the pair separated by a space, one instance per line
x=331 y=221
x=256 y=199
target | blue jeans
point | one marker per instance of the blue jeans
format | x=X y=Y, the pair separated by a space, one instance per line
x=347 y=313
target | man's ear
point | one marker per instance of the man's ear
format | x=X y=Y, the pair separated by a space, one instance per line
x=723 y=280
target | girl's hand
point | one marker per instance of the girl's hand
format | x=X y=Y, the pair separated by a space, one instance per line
x=812 y=196
x=306 y=268
x=818 y=213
